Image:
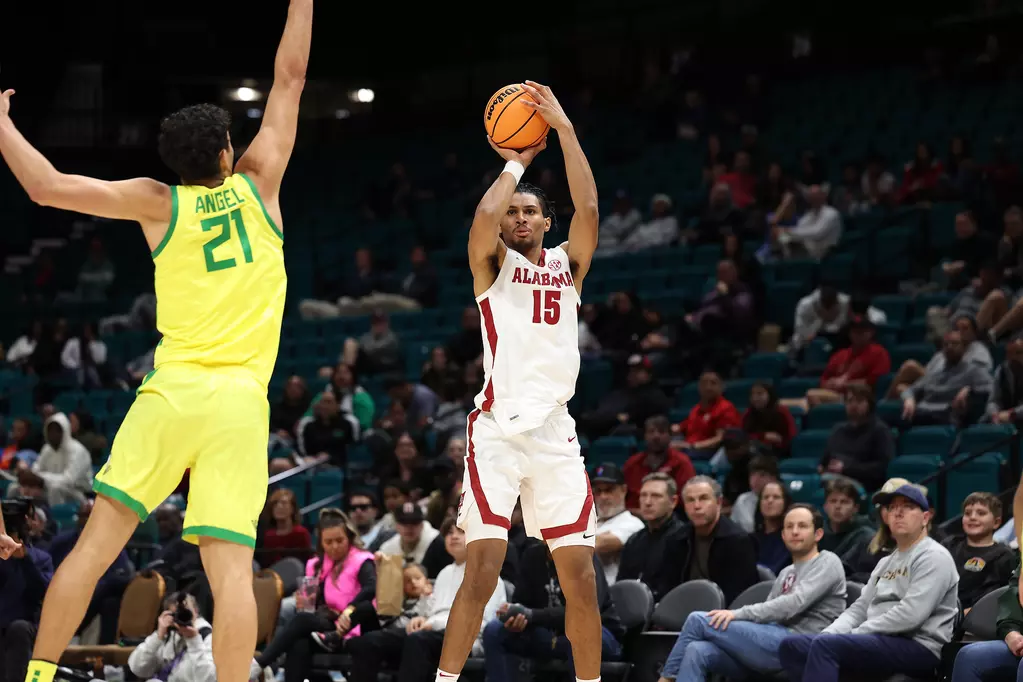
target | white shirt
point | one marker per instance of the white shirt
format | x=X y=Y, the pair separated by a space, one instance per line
x=661 y=231
x=615 y=228
x=71 y=356
x=392 y=546
x=622 y=526
x=818 y=230
x=444 y=590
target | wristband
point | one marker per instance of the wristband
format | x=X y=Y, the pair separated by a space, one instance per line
x=515 y=169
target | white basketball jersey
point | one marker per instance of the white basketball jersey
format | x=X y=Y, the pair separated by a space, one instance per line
x=530 y=327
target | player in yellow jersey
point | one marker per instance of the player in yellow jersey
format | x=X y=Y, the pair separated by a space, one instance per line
x=220 y=284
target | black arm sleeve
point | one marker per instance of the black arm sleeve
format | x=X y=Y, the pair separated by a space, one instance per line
x=367 y=582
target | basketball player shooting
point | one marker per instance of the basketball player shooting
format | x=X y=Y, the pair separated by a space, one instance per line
x=220 y=284
x=521 y=441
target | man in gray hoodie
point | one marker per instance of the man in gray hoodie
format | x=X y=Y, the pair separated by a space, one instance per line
x=63 y=463
x=904 y=615
x=806 y=596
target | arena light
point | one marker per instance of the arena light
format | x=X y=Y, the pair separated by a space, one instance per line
x=342 y=114
x=363 y=95
x=254 y=112
x=246 y=94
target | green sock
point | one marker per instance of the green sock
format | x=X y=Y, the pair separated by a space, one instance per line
x=40 y=671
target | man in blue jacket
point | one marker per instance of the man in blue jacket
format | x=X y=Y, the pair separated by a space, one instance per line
x=24 y=578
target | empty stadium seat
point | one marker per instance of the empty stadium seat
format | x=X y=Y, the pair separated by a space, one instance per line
x=923 y=440
x=981 y=474
x=738 y=392
x=914 y=467
x=796 y=387
x=614 y=449
x=770 y=366
x=809 y=444
x=989 y=437
x=825 y=416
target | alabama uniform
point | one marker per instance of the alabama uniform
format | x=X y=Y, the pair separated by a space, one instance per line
x=521 y=441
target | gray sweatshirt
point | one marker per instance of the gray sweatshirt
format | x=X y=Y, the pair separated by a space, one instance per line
x=935 y=391
x=805 y=597
x=912 y=593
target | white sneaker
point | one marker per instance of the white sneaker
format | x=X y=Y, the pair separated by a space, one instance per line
x=268 y=674
x=255 y=672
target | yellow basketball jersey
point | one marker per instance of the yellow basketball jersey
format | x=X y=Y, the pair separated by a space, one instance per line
x=220 y=279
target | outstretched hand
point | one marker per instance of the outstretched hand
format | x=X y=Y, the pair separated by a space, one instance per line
x=547 y=105
x=5 y=102
x=523 y=156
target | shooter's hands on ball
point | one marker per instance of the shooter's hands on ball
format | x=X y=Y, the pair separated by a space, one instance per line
x=547 y=105
x=523 y=156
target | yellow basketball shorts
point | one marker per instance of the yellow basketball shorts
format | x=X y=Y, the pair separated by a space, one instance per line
x=212 y=421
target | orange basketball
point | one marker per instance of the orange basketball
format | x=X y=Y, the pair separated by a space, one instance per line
x=510 y=123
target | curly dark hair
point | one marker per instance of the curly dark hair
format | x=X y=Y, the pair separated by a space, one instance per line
x=546 y=205
x=191 y=140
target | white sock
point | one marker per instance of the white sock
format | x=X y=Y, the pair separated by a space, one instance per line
x=445 y=677
x=580 y=680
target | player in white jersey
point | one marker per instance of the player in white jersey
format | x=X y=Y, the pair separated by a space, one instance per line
x=521 y=441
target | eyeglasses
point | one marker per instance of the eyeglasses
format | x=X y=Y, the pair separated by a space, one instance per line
x=360 y=507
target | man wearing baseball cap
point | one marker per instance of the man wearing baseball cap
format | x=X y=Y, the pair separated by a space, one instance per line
x=615 y=523
x=905 y=614
x=414 y=534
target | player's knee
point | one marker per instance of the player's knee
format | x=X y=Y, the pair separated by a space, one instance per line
x=579 y=580
x=480 y=587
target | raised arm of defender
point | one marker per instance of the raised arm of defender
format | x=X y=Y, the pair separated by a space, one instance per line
x=141 y=199
x=267 y=157
x=485 y=246
x=582 y=233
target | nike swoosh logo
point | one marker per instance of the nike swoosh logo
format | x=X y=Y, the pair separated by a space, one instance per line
x=587 y=537
x=571 y=439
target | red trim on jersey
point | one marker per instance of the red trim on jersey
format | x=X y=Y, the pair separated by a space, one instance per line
x=488 y=324
x=489 y=517
x=543 y=258
x=577 y=526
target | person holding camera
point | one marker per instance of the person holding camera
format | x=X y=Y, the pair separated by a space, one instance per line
x=24 y=577
x=181 y=649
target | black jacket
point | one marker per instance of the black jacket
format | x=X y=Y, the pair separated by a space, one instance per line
x=733 y=557
x=654 y=557
x=331 y=437
x=538 y=589
x=865 y=450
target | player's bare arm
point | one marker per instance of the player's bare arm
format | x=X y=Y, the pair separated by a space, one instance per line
x=486 y=250
x=267 y=157
x=582 y=233
x=141 y=199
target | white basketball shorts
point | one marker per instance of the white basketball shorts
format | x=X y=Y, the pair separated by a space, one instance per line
x=542 y=466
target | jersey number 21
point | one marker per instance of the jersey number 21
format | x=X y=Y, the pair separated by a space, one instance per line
x=224 y=223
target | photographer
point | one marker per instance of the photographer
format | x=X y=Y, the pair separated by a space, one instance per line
x=181 y=649
x=24 y=578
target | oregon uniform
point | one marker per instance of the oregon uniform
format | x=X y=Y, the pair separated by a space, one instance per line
x=220 y=288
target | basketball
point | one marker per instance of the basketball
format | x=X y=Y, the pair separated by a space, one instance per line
x=510 y=123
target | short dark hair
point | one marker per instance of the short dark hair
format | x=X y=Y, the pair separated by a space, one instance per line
x=842 y=486
x=403 y=487
x=191 y=140
x=546 y=205
x=763 y=464
x=989 y=500
x=368 y=494
x=861 y=391
x=659 y=422
x=818 y=518
x=446 y=527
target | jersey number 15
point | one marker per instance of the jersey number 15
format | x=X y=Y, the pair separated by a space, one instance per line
x=546 y=306
x=224 y=223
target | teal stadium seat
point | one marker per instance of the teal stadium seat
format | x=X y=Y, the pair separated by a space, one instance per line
x=825 y=416
x=895 y=307
x=921 y=352
x=738 y=392
x=983 y=474
x=922 y=440
x=914 y=467
x=809 y=444
x=615 y=449
x=796 y=387
x=799 y=465
x=987 y=437
x=770 y=366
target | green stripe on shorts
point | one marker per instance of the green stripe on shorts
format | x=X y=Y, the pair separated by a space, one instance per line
x=124 y=498
x=219 y=534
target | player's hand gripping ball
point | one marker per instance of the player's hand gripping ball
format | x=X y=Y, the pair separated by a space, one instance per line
x=510 y=123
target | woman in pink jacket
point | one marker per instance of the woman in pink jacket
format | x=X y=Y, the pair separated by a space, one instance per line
x=345 y=574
